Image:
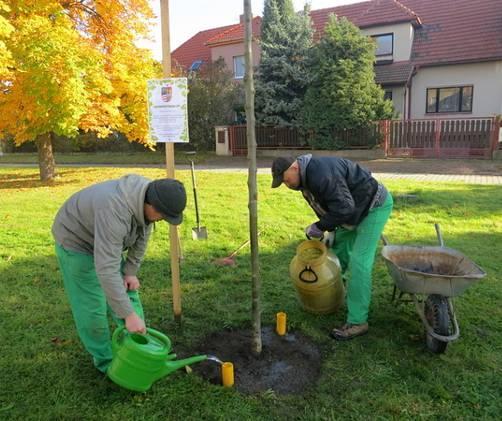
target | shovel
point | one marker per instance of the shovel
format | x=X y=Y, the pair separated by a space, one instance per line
x=198 y=233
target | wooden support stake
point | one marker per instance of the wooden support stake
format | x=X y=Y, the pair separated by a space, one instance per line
x=170 y=166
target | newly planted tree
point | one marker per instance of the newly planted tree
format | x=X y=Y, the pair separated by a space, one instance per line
x=252 y=186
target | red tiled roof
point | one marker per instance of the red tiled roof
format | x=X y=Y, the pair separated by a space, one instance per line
x=195 y=48
x=384 y=12
x=447 y=31
x=457 y=31
x=395 y=73
x=321 y=17
x=365 y=14
x=450 y=31
x=235 y=33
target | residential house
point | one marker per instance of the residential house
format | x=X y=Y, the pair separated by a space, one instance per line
x=434 y=58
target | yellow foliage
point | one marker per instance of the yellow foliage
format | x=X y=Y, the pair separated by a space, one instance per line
x=75 y=66
x=5 y=30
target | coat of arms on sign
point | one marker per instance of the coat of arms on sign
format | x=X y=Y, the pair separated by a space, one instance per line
x=166 y=93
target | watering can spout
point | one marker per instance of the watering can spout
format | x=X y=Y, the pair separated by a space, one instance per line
x=177 y=364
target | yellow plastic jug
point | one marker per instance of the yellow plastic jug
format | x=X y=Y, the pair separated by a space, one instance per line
x=316 y=275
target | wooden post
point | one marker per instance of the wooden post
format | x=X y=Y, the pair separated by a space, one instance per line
x=437 y=138
x=170 y=166
x=385 y=128
x=253 y=193
x=495 y=135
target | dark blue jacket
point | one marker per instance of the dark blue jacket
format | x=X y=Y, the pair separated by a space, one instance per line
x=339 y=191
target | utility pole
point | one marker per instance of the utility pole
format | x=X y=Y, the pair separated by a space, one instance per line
x=170 y=166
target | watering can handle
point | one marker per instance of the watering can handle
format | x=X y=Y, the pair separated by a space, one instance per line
x=155 y=333
x=115 y=338
x=160 y=336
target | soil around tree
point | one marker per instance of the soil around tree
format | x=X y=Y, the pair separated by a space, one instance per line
x=288 y=364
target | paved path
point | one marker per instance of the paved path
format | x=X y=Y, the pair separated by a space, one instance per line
x=459 y=178
x=472 y=171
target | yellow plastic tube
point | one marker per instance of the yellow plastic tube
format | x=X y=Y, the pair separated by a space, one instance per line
x=227 y=374
x=280 y=323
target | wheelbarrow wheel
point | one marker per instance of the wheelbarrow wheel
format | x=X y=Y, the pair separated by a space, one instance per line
x=437 y=314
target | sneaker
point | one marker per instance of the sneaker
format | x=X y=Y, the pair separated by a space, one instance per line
x=349 y=331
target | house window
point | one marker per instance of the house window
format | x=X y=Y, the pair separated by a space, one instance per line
x=456 y=99
x=387 y=95
x=384 y=44
x=239 y=68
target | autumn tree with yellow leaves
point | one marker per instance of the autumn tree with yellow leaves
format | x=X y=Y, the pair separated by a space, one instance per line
x=70 y=66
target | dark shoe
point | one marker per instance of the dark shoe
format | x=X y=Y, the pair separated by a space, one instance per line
x=349 y=331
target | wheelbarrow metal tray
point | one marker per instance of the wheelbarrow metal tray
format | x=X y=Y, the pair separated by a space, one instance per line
x=431 y=270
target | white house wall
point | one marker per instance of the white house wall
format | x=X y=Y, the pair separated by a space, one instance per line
x=486 y=79
x=229 y=51
x=403 y=39
x=398 y=99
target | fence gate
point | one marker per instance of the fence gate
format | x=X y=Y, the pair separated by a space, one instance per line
x=455 y=138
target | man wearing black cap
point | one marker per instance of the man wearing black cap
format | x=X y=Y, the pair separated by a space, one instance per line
x=350 y=203
x=101 y=233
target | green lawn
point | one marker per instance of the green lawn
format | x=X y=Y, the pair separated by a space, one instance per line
x=45 y=373
x=123 y=158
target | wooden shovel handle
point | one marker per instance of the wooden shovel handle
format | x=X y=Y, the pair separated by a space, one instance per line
x=244 y=244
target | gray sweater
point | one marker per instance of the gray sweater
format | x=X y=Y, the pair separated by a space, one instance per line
x=104 y=220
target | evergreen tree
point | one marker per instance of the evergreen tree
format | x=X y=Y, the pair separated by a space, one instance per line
x=282 y=75
x=342 y=93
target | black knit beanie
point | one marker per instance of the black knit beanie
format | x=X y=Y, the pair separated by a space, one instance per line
x=168 y=197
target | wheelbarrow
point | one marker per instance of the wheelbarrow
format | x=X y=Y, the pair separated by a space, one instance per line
x=432 y=276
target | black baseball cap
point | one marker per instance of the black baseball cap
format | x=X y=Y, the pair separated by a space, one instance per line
x=167 y=196
x=280 y=165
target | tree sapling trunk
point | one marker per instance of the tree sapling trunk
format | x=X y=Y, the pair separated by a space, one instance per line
x=253 y=195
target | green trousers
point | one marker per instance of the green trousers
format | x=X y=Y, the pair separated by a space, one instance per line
x=356 y=250
x=88 y=304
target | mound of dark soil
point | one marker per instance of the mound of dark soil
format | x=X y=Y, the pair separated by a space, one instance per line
x=287 y=364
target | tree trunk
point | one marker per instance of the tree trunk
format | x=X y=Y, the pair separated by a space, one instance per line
x=253 y=195
x=46 y=161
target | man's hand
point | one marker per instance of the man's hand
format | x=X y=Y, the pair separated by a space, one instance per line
x=135 y=324
x=312 y=231
x=131 y=282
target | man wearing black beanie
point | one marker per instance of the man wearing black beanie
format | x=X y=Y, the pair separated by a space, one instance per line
x=101 y=233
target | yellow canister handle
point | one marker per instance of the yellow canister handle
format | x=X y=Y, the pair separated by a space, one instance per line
x=307 y=270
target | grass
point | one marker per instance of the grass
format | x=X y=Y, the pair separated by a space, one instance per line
x=387 y=374
x=122 y=158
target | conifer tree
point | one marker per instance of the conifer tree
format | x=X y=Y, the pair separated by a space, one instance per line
x=282 y=75
x=342 y=93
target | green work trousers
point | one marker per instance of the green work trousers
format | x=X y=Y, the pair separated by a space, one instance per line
x=356 y=250
x=88 y=304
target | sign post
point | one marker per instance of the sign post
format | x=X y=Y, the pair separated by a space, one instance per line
x=163 y=128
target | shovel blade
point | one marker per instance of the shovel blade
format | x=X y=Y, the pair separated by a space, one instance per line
x=199 y=233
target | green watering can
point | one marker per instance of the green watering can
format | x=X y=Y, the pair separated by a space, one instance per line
x=139 y=360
